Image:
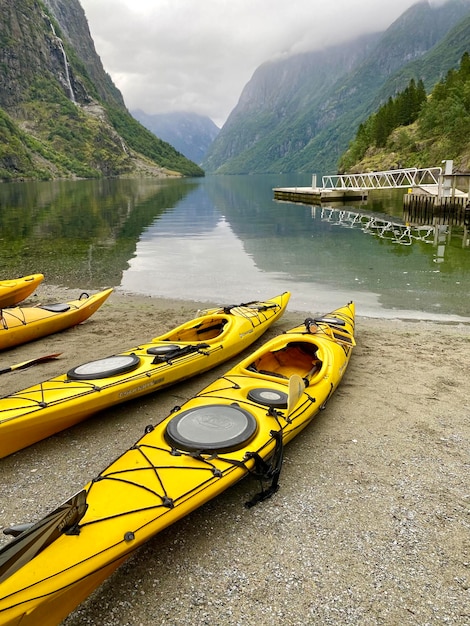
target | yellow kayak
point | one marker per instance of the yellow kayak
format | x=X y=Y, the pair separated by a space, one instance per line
x=219 y=334
x=19 y=325
x=18 y=289
x=236 y=426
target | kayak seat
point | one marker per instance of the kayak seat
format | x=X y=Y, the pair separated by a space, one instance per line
x=212 y=331
x=295 y=358
x=55 y=308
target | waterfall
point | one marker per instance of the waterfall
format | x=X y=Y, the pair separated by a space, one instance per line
x=66 y=63
x=67 y=73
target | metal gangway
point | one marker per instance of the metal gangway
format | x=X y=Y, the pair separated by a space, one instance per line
x=391 y=179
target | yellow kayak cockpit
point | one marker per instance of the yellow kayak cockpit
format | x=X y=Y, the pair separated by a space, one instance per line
x=301 y=358
x=203 y=330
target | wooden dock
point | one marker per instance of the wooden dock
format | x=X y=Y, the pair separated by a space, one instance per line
x=316 y=195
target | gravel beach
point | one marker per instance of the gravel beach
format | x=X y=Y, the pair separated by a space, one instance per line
x=370 y=527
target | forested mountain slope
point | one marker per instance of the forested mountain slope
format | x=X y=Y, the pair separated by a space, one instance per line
x=60 y=113
x=398 y=135
x=292 y=117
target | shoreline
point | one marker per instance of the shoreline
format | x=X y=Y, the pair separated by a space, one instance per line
x=371 y=523
x=56 y=293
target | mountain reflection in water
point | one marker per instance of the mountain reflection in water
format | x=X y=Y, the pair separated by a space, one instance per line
x=224 y=239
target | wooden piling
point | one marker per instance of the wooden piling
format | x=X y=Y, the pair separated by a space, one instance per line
x=433 y=210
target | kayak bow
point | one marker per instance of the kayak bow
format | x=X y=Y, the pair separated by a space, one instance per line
x=18 y=289
x=23 y=324
x=236 y=426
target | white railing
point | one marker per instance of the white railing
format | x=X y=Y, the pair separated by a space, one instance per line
x=391 y=179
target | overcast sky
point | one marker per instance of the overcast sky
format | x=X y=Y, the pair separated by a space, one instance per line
x=197 y=55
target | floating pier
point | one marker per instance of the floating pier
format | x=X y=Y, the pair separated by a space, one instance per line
x=316 y=195
x=339 y=187
x=432 y=199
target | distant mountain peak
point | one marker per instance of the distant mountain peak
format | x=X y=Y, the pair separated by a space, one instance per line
x=190 y=133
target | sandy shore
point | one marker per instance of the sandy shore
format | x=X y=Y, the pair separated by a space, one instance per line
x=371 y=525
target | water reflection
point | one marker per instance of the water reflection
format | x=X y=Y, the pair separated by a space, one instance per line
x=226 y=239
x=398 y=232
x=79 y=233
x=258 y=244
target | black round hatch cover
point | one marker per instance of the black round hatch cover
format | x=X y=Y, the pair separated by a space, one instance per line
x=211 y=428
x=268 y=397
x=102 y=368
x=161 y=350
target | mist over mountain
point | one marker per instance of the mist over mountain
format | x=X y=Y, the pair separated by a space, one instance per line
x=299 y=114
x=189 y=133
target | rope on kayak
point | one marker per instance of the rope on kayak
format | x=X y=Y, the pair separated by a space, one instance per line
x=181 y=351
x=163 y=498
x=262 y=470
x=261 y=306
x=255 y=315
x=20 y=317
x=267 y=471
x=330 y=329
x=32 y=404
x=86 y=387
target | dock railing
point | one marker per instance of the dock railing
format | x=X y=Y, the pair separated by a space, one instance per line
x=391 y=179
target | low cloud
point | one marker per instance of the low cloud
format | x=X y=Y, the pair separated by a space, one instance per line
x=187 y=55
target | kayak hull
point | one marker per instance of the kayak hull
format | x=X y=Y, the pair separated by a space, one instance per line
x=155 y=482
x=42 y=410
x=18 y=289
x=24 y=324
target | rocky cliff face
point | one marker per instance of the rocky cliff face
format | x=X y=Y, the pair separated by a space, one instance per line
x=72 y=21
x=60 y=113
x=274 y=115
x=299 y=114
x=34 y=47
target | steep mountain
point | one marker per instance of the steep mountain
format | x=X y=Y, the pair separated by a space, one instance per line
x=60 y=113
x=432 y=66
x=74 y=26
x=189 y=133
x=310 y=123
x=272 y=118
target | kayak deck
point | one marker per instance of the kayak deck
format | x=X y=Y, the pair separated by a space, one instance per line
x=48 y=407
x=235 y=426
x=23 y=324
x=18 y=289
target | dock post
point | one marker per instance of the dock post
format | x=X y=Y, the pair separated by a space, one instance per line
x=314 y=181
x=447 y=178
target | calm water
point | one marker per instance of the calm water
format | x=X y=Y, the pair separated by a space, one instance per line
x=225 y=239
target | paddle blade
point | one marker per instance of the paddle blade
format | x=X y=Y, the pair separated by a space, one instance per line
x=25 y=364
x=39 y=359
x=296 y=389
x=38 y=536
